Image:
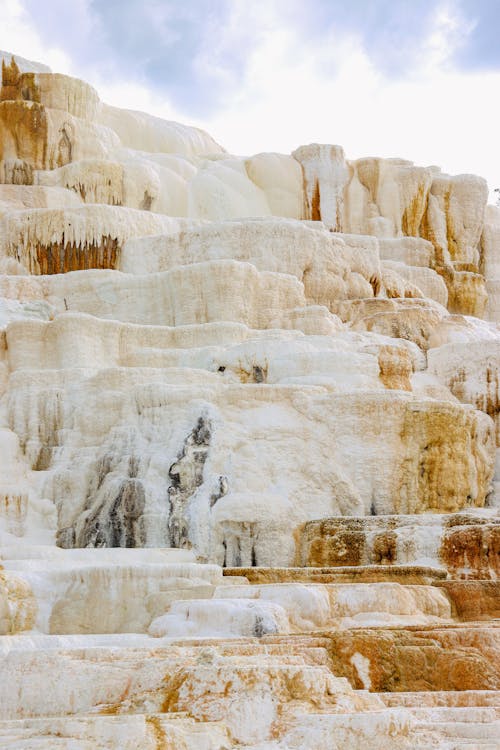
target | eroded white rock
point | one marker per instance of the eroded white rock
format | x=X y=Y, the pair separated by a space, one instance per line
x=253 y=362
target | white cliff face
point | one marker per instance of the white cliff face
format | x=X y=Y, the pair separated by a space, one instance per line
x=249 y=439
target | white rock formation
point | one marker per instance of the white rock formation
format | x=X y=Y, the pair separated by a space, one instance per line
x=249 y=439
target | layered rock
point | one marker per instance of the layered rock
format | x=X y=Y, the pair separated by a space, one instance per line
x=249 y=435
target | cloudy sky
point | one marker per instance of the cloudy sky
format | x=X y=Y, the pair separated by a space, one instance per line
x=418 y=79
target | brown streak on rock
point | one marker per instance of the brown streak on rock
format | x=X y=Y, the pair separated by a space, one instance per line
x=316 y=203
x=61 y=257
x=395 y=368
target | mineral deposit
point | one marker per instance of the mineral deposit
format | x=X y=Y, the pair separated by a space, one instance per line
x=249 y=440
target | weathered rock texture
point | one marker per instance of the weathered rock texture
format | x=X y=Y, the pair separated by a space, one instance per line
x=249 y=440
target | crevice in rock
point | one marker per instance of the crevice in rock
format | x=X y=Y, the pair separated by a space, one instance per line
x=220 y=492
x=115 y=522
x=147 y=202
x=186 y=475
x=240 y=542
x=64 y=148
x=316 y=203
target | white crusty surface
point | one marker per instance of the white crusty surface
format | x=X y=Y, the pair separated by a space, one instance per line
x=249 y=440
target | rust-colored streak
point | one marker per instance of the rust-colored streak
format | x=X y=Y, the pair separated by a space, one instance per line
x=316 y=203
x=23 y=132
x=446 y=468
x=17 y=85
x=395 y=368
x=385 y=548
x=160 y=738
x=414 y=213
x=62 y=258
x=10 y=73
x=487 y=399
x=472 y=551
x=407 y=661
x=467 y=293
x=474 y=600
x=327 y=545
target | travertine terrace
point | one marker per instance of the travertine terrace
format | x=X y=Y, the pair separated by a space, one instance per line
x=249 y=424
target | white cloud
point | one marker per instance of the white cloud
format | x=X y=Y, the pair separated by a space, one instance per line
x=18 y=34
x=449 y=33
x=438 y=116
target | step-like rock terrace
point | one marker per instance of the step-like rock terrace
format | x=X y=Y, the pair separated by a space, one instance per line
x=249 y=440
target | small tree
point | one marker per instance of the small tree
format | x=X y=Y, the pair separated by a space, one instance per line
x=497 y=191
